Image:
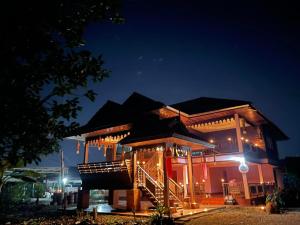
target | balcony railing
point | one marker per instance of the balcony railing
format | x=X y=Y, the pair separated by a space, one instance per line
x=255 y=189
x=106 y=175
x=104 y=167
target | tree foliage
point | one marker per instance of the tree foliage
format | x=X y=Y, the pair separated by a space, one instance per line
x=44 y=72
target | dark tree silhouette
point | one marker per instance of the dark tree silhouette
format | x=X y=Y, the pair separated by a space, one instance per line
x=44 y=73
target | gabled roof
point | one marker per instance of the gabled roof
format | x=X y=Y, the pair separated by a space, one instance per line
x=113 y=114
x=141 y=103
x=154 y=128
x=110 y=114
x=205 y=104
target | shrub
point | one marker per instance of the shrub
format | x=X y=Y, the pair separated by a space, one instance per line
x=274 y=201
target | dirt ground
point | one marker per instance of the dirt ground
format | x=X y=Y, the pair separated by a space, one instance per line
x=247 y=216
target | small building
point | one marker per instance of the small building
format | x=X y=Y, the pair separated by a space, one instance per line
x=201 y=151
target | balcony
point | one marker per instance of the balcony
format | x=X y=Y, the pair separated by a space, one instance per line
x=106 y=175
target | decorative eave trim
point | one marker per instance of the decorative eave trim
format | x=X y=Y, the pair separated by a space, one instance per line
x=206 y=113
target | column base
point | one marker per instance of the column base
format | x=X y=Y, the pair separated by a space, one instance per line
x=195 y=205
x=133 y=200
x=83 y=199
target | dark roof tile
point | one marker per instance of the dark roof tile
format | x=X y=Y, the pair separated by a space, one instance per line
x=204 y=104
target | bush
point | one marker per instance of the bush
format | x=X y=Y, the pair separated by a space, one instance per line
x=274 y=202
x=14 y=194
x=291 y=191
x=161 y=216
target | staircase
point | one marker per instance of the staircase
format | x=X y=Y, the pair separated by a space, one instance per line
x=154 y=189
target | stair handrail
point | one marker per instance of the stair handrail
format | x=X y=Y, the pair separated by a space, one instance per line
x=178 y=195
x=128 y=165
x=157 y=184
x=176 y=184
x=151 y=164
x=178 y=198
x=142 y=176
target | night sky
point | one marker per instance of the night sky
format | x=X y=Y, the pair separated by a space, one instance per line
x=178 y=50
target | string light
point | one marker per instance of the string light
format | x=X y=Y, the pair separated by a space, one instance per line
x=211 y=141
x=229 y=139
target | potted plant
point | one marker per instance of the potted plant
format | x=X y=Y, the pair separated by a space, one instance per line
x=274 y=202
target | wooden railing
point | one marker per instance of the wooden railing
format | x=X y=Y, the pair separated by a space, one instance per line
x=176 y=190
x=255 y=189
x=152 y=168
x=233 y=189
x=104 y=167
x=154 y=188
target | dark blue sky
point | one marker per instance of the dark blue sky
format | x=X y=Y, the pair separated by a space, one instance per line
x=175 y=50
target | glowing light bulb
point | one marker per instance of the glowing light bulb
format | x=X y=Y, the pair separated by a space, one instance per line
x=211 y=141
x=229 y=139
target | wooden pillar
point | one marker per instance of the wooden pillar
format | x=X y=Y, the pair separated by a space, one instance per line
x=86 y=153
x=260 y=174
x=133 y=199
x=133 y=195
x=185 y=177
x=134 y=169
x=116 y=199
x=208 y=182
x=261 y=177
x=191 y=177
x=114 y=152
x=238 y=133
x=166 y=179
x=241 y=149
x=83 y=199
x=123 y=153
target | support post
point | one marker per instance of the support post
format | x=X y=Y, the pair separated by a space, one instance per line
x=86 y=153
x=116 y=199
x=260 y=174
x=83 y=199
x=261 y=177
x=114 y=152
x=133 y=195
x=241 y=149
x=191 y=178
x=185 y=177
x=123 y=153
x=208 y=182
x=166 y=179
x=134 y=169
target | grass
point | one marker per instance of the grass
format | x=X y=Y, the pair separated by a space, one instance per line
x=247 y=216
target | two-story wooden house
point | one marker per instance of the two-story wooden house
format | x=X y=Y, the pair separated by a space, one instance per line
x=201 y=151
